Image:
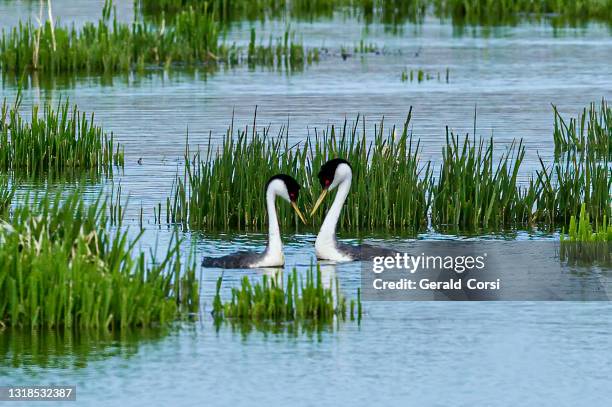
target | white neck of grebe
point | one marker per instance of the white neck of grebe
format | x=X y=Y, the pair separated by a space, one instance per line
x=327 y=234
x=275 y=244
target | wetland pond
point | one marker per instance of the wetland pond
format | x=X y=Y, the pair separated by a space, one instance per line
x=428 y=353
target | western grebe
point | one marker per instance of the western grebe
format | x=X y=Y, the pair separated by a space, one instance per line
x=279 y=185
x=337 y=173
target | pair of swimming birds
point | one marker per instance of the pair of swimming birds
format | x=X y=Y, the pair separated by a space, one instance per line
x=334 y=174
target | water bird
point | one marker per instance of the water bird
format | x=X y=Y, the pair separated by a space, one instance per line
x=338 y=173
x=280 y=185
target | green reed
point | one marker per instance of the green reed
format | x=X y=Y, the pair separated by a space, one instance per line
x=298 y=300
x=493 y=12
x=61 y=266
x=591 y=132
x=189 y=38
x=286 y=52
x=109 y=46
x=419 y=75
x=394 y=13
x=474 y=190
x=224 y=188
x=58 y=141
x=388 y=12
x=7 y=192
x=573 y=179
x=585 y=241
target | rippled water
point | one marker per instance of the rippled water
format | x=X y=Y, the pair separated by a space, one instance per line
x=426 y=353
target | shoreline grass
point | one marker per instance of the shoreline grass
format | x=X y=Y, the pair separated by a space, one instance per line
x=57 y=142
x=62 y=267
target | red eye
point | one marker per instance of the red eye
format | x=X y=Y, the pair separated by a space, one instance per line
x=327 y=183
x=292 y=196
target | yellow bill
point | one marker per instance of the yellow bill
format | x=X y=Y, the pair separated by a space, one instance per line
x=297 y=210
x=319 y=201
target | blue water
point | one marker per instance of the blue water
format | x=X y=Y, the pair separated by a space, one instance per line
x=411 y=353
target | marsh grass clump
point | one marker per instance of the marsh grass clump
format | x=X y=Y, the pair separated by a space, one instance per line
x=492 y=13
x=590 y=132
x=223 y=189
x=61 y=267
x=57 y=142
x=227 y=11
x=298 y=300
x=473 y=190
x=7 y=192
x=575 y=178
x=585 y=241
x=189 y=38
x=286 y=52
x=394 y=13
x=110 y=46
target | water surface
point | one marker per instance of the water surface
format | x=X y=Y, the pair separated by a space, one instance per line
x=422 y=353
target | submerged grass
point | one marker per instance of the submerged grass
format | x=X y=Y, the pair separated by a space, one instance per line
x=223 y=189
x=272 y=300
x=60 y=141
x=61 y=267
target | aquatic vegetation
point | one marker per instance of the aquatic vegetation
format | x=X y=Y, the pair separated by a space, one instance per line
x=61 y=267
x=570 y=181
x=473 y=191
x=390 y=12
x=286 y=52
x=6 y=195
x=420 y=75
x=591 y=132
x=221 y=189
x=271 y=300
x=487 y=12
x=189 y=38
x=109 y=46
x=60 y=141
x=585 y=242
x=394 y=13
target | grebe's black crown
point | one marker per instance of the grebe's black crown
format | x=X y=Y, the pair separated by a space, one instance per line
x=292 y=185
x=328 y=171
